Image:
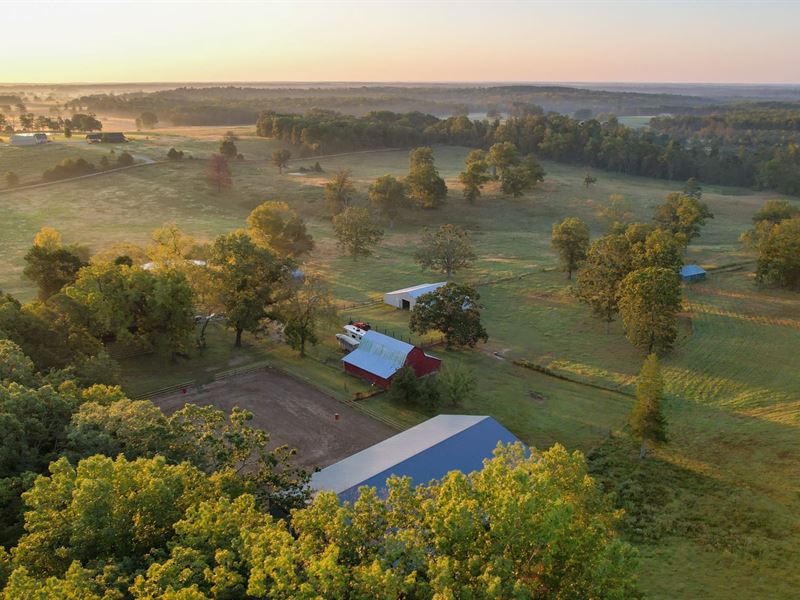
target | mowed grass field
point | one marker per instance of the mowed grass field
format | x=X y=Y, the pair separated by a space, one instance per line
x=724 y=494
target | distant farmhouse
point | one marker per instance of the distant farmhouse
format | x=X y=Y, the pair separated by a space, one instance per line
x=693 y=273
x=378 y=357
x=106 y=138
x=407 y=297
x=28 y=139
x=426 y=452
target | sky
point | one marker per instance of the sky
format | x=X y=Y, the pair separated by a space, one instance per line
x=699 y=41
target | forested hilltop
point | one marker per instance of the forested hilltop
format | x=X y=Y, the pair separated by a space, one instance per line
x=233 y=105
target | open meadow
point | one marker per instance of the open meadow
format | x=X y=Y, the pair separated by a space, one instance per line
x=718 y=503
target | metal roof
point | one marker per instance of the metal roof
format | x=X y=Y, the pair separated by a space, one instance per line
x=428 y=451
x=417 y=290
x=379 y=354
x=690 y=270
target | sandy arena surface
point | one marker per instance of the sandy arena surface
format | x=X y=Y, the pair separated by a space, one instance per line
x=293 y=412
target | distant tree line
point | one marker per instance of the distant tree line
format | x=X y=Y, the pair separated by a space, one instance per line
x=605 y=145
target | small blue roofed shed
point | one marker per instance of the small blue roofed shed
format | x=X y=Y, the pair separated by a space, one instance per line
x=693 y=273
x=426 y=452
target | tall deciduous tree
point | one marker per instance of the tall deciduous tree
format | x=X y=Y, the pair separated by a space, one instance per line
x=388 y=196
x=274 y=225
x=617 y=210
x=475 y=175
x=303 y=314
x=247 y=280
x=227 y=148
x=356 y=231
x=50 y=265
x=683 y=216
x=649 y=302
x=280 y=158
x=454 y=311
x=426 y=188
x=218 y=172
x=339 y=191
x=446 y=250
x=779 y=255
x=647 y=420
x=608 y=261
x=571 y=241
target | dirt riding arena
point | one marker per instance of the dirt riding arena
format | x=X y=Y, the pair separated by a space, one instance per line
x=293 y=412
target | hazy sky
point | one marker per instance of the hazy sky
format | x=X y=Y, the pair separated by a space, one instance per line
x=701 y=41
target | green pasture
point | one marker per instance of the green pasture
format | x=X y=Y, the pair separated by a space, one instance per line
x=722 y=496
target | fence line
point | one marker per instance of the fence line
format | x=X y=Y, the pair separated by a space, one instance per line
x=170 y=389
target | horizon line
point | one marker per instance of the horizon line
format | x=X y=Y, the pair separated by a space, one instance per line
x=402 y=82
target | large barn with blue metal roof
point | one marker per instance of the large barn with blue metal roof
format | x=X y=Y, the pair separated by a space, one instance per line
x=378 y=357
x=426 y=452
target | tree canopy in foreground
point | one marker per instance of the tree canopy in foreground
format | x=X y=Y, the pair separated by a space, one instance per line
x=532 y=526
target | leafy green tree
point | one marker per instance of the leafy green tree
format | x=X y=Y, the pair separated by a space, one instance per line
x=475 y=175
x=589 y=180
x=12 y=179
x=356 y=231
x=67 y=131
x=518 y=179
x=52 y=268
x=502 y=156
x=227 y=148
x=148 y=120
x=339 y=191
x=247 y=280
x=15 y=366
x=649 y=302
x=218 y=172
x=407 y=388
x=607 y=263
x=683 y=216
x=274 y=225
x=426 y=188
x=779 y=255
x=571 y=241
x=153 y=308
x=458 y=383
x=647 y=420
x=388 y=196
x=125 y=159
x=304 y=312
x=174 y=154
x=660 y=249
x=280 y=158
x=454 y=311
x=775 y=211
x=693 y=189
x=446 y=250
x=617 y=210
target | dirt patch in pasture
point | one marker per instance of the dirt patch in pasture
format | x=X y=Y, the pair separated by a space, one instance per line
x=293 y=412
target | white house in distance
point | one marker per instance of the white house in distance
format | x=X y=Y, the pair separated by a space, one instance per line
x=28 y=139
x=406 y=298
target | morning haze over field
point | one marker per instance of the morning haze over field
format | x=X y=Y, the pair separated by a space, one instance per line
x=399 y=300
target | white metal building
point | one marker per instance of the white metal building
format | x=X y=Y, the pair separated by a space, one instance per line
x=28 y=139
x=406 y=298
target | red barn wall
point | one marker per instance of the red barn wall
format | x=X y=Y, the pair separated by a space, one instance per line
x=422 y=363
x=371 y=377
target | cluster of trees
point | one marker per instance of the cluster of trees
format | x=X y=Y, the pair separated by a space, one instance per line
x=517 y=174
x=31 y=122
x=776 y=237
x=76 y=167
x=633 y=269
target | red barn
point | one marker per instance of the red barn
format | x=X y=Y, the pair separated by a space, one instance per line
x=378 y=357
